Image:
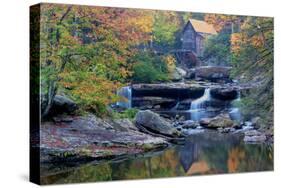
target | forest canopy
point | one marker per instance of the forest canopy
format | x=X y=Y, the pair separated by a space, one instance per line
x=88 y=53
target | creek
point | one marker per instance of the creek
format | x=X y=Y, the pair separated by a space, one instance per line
x=208 y=153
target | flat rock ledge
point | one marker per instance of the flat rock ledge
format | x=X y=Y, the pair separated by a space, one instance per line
x=254 y=136
x=91 y=138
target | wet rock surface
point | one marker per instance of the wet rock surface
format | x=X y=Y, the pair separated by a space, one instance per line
x=220 y=121
x=91 y=138
x=150 y=102
x=156 y=124
x=190 y=74
x=62 y=104
x=76 y=138
x=190 y=124
x=224 y=93
x=179 y=95
x=178 y=74
x=254 y=136
x=213 y=73
x=168 y=90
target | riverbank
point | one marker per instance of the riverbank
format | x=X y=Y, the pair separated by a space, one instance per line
x=77 y=138
x=88 y=138
x=141 y=155
x=168 y=115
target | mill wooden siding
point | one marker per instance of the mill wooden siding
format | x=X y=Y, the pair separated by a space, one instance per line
x=189 y=38
x=193 y=40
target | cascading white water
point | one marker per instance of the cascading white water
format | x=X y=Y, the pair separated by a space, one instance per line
x=198 y=103
x=176 y=106
x=234 y=112
x=197 y=106
x=125 y=92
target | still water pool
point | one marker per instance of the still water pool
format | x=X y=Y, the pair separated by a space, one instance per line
x=207 y=153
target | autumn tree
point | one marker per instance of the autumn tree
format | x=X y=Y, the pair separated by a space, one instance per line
x=85 y=52
x=217 y=50
x=224 y=23
x=165 y=25
x=246 y=43
x=167 y=29
x=252 y=61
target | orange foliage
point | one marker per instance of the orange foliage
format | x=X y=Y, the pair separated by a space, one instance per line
x=89 y=89
x=257 y=41
x=240 y=39
x=237 y=39
x=200 y=167
x=234 y=157
x=167 y=160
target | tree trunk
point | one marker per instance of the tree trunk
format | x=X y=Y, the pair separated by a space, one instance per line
x=52 y=84
x=52 y=90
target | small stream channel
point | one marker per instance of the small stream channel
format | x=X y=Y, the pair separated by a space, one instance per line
x=209 y=152
x=201 y=107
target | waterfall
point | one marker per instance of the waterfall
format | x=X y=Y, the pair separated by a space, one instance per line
x=197 y=110
x=199 y=103
x=125 y=92
x=234 y=111
x=176 y=106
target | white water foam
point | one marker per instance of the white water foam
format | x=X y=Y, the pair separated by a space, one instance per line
x=125 y=92
x=197 y=106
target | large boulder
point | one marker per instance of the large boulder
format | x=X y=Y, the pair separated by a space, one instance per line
x=257 y=122
x=261 y=138
x=62 y=105
x=220 y=121
x=178 y=74
x=224 y=93
x=123 y=125
x=213 y=73
x=154 y=123
x=190 y=124
x=190 y=74
x=254 y=136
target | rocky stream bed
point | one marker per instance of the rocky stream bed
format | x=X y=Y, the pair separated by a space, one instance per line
x=169 y=115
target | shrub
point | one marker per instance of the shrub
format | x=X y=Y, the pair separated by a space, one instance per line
x=128 y=113
x=91 y=92
x=149 y=68
x=217 y=50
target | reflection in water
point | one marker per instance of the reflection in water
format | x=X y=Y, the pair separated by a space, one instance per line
x=206 y=154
